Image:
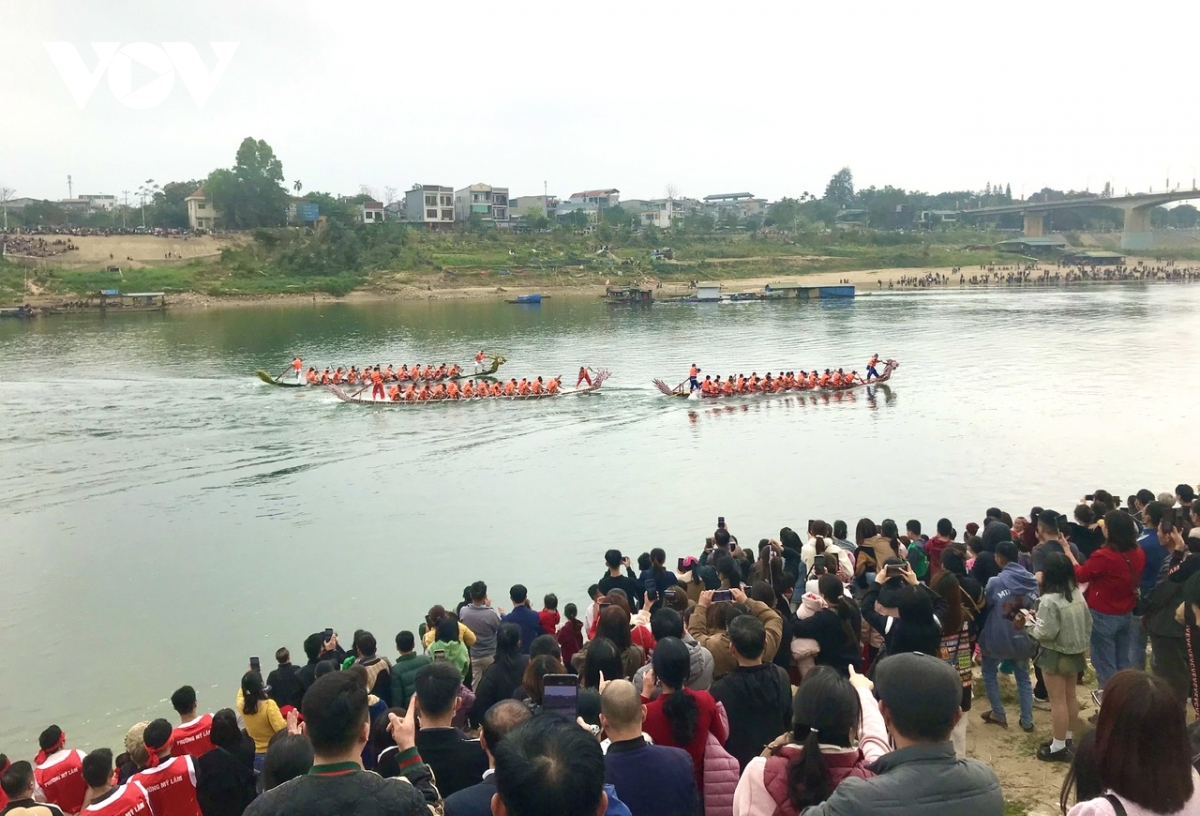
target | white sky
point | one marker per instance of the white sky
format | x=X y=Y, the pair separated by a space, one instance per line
x=769 y=96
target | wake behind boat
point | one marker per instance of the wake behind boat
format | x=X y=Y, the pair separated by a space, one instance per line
x=753 y=386
x=485 y=392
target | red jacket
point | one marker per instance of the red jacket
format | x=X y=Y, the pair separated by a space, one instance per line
x=658 y=727
x=548 y=618
x=1112 y=578
x=570 y=639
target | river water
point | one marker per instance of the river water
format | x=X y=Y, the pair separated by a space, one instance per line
x=166 y=515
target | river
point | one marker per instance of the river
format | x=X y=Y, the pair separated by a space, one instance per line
x=166 y=515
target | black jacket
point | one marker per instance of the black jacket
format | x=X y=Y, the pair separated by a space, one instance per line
x=225 y=779
x=347 y=790
x=626 y=583
x=457 y=760
x=473 y=801
x=758 y=700
x=837 y=649
x=499 y=682
x=286 y=686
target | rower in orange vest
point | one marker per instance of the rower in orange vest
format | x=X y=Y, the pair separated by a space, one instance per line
x=824 y=380
x=510 y=388
x=394 y=393
x=410 y=393
x=553 y=386
x=468 y=389
x=583 y=377
x=727 y=388
x=376 y=383
x=537 y=386
x=423 y=394
x=741 y=384
x=298 y=369
x=389 y=374
x=439 y=392
x=427 y=372
x=836 y=379
x=439 y=372
x=479 y=362
x=326 y=378
x=496 y=390
x=871 y=372
x=311 y=376
x=523 y=388
x=452 y=390
x=454 y=370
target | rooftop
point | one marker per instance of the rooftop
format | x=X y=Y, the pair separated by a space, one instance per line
x=594 y=193
x=728 y=196
x=1041 y=240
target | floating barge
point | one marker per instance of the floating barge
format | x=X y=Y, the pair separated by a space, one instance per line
x=712 y=293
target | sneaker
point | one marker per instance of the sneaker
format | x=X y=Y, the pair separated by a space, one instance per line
x=1045 y=746
x=1027 y=727
x=1041 y=705
x=1063 y=755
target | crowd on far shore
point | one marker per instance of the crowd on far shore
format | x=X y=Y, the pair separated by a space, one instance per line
x=34 y=246
x=826 y=672
x=1033 y=274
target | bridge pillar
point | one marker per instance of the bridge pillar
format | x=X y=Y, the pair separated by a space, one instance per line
x=1034 y=224
x=1138 y=234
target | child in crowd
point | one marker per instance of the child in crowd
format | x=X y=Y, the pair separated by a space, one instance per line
x=548 y=617
x=974 y=547
x=570 y=637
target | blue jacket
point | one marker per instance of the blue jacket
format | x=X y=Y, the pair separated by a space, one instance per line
x=652 y=780
x=1156 y=553
x=1014 y=588
x=524 y=617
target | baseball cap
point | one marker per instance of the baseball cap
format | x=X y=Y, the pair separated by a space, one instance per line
x=921 y=692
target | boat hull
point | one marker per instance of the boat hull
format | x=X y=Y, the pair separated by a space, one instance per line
x=289 y=382
x=358 y=397
x=682 y=392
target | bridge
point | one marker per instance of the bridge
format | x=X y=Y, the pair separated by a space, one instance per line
x=1137 y=235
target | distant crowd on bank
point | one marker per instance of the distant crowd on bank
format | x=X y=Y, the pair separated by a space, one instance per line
x=1034 y=274
x=816 y=673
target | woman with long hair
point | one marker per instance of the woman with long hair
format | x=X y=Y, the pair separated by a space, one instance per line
x=873 y=550
x=1082 y=781
x=836 y=629
x=501 y=679
x=601 y=661
x=678 y=716
x=534 y=679
x=260 y=714
x=656 y=578
x=1113 y=574
x=1143 y=755
x=613 y=624
x=225 y=775
x=916 y=628
x=1063 y=629
x=837 y=732
x=958 y=645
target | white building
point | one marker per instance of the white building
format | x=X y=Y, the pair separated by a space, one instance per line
x=430 y=204
x=488 y=202
x=522 y=206
x=100 y=202
x=372 y=212
x=600 y=199
x=201 y=213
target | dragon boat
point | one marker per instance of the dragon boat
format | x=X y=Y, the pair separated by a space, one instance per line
x=466 y=374
x=360 y=396
x=683 y=389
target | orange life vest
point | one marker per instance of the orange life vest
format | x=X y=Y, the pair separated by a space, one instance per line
x=496 y=390
x=297 y=364
x=376 y=377
x=394 y=393
x=311 y=376
x=452 y=390
x=410 y=392
x=694 y=371
x=552 y=386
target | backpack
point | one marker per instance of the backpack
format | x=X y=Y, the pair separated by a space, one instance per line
x=919 y=561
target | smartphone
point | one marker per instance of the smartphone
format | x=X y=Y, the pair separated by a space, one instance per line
x=1090 y=497
x=1166 y=526
x=818 y=560
x=894 y=570
x=720 y=522
x=679 y=565
x=560 y=695
x=328 y=633
x=254 y=665
x=708 y=543
x=722 y=595
x=604 y=603
x=439 y=654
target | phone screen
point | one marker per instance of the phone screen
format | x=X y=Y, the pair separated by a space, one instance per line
x=722 y=595
x=679 y=565
x=818 y=560
x=560 y=695
x=895 y=570
x=439 y=654
x=328 y=634
x=254 y=665
x=720 y=522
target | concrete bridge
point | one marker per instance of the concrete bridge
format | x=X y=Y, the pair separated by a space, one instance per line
x=1137 y=235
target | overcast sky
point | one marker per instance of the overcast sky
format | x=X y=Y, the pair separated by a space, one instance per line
x=766 y=96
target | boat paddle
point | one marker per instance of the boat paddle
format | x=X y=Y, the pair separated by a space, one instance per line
x=281 y=373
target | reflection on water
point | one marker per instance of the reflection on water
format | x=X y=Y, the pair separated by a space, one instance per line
x=166 y=514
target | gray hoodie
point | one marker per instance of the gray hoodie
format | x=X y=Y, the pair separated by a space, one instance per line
x=700 y=678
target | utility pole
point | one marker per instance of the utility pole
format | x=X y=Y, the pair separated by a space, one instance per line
x=5 y=196
x=70 y=188
x=125 y=210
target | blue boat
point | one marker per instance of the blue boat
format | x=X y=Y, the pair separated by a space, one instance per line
x=531 y=300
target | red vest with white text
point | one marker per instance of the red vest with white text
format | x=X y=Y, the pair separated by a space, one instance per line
x=171 y=787
x=60 y=779
x=193 y=738
x=129 y=800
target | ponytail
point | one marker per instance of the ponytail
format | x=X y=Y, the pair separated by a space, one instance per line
x=683 y=712
x=819 y=542
x=808 y=778
x=845 y=613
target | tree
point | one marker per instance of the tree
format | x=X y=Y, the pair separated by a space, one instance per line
x=671 y=191
x=617 y=216
x=368 y=191
x=6 y=195
x=389 y=195
x=147 y=191
x=784 y=214
x=840 y=189
x=170 y=205
x=1184 y=216
x=536 y=219
x=251 y=194
x=298 y=186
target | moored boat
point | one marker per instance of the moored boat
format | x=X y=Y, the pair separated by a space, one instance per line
x=486 y=374
x=682 y=390
x=360 y=396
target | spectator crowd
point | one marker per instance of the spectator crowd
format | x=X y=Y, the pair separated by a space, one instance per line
x=816 y=673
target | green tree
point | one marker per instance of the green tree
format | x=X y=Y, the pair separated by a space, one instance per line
x=170 y=206
x=535 y=219
x=1184 y=216
x=784 y=214
x=840 y=189
x=617 y=216
x=252 y=193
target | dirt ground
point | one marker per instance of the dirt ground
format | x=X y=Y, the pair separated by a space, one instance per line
x=145 y=250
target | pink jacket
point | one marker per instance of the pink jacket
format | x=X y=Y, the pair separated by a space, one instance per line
x=721 y=772
x=759 y=793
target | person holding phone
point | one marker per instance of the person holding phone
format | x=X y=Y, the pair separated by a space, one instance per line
x=620 y=576
x=260 y=714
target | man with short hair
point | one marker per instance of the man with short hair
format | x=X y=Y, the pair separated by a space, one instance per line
x=757 y=696
x=105 y=799
x=335 y=719
x=616 y=579
x=920 y=698
x=286 y=687
x=318 y=650
x=192 y=736
x=938 y=544
x=379 y=674
x=1049 y=540
x=17 y=783
x=1014 y=589
x=1156 y=553
x=498 y=722
x=404 y=671
x=666 y=622
x=523 y=616
x=457 y=760
x=484 y=622
x=1183 y=513
x=58 y=771
x=169 y=781
x=717 y=640
x=549 y=767
x=653 y=779
x=589 y=614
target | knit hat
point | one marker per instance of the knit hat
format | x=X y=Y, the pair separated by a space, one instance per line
x=919 y=688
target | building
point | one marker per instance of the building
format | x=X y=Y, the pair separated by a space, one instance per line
x=201 y=213
x=371 y=212
x=522 y=206
x=430 y=204
x=100 y=202
x=488 y=202
x=739 y=205
x=656 y=212
x=74 y=204
x=708 y=292
x=1039 y=245
x=1095 y=258
x=22 y=203
x=598 y=199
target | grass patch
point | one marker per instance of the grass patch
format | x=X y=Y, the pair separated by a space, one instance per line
x=1012 y=808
